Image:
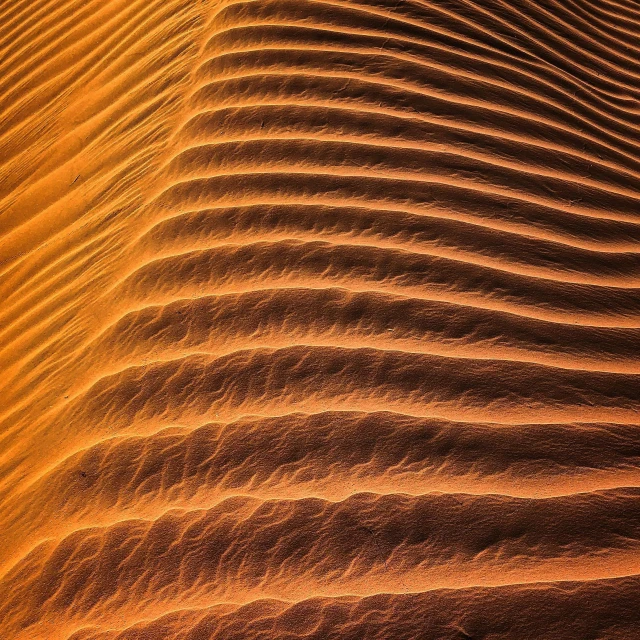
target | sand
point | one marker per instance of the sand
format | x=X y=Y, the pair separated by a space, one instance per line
x=320 y=319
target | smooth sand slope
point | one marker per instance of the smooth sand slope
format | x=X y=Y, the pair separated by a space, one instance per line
x=320 y=319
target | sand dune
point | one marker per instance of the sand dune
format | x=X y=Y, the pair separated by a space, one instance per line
x=320 y=319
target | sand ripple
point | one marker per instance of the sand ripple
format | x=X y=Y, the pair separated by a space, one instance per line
x=320 y=319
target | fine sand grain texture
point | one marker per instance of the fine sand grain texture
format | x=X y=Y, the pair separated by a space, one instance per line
x=320 y=319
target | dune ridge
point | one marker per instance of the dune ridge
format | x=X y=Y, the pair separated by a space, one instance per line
x=320 y=319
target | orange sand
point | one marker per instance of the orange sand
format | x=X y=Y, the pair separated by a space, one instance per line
x=320 y=319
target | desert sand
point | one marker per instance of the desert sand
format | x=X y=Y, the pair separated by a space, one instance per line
x=320 y=319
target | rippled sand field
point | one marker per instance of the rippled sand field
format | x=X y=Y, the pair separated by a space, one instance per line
x=320 y=319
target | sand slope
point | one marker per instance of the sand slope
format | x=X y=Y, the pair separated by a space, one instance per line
x=320 y=319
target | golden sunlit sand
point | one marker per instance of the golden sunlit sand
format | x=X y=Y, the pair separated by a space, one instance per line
x=320 y=319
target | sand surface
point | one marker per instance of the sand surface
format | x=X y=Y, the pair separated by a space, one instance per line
x=320 y=319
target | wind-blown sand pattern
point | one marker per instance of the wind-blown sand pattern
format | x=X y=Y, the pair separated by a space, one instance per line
x=320 y=319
